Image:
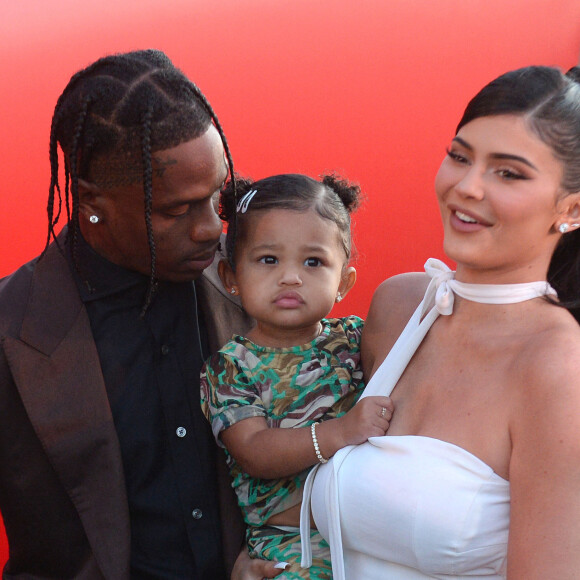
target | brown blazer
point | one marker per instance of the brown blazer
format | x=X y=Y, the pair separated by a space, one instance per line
x=62 y=492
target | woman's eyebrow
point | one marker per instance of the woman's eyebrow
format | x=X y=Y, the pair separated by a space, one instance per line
x=507 y=156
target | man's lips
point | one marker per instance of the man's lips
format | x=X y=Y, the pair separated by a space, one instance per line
x=205 y=256
x=201 y=262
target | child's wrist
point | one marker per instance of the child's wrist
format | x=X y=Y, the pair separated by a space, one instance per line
x=317 y=452
x=328 y=436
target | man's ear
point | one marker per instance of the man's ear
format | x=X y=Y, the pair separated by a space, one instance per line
x=228 y=277
x=347 y=281
x=90 y=200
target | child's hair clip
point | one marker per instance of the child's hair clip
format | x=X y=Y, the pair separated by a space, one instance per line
x=245 y=201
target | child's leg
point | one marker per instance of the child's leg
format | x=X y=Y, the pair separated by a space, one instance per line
x=273 y=543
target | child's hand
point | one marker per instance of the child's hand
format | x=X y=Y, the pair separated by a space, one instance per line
x=368 y=418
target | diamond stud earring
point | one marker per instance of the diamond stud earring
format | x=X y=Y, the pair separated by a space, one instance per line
x=563 y=228
x=94 y=219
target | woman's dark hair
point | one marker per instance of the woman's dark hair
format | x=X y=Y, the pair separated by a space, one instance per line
x=108 y=121
x=332 y=198
x=549 y=102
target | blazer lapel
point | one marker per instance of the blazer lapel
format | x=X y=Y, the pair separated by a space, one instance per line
x=56 y=368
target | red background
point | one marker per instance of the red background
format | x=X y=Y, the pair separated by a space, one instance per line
x=370 y=88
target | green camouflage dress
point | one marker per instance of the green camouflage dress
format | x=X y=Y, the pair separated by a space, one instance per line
x=289 y=387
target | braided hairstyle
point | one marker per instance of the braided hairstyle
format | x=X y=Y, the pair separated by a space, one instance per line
x=333 y=198
x=116 y=113
x=549 y=101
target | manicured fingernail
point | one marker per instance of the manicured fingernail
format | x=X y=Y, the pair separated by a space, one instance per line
x=281 y=565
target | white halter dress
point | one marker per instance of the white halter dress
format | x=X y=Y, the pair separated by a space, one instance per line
x=412 y=507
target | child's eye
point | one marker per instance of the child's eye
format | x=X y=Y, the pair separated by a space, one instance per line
x=313 y=262
x=268 y=260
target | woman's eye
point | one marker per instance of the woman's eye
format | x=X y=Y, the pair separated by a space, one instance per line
x=268 y=260
x=456 y=156
x=510 y=174
x=312 y=262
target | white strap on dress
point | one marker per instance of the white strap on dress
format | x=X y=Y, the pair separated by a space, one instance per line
x=439 y=299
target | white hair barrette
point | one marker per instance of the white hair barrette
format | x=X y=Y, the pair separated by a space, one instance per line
x=245 y=201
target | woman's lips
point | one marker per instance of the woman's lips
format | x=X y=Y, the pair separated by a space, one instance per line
x=466 y=221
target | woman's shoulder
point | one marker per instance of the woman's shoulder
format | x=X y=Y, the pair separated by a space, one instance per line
x=400 y=293
x=548 y=366
x=405 y=281
x=393 y=304
x=552 y=347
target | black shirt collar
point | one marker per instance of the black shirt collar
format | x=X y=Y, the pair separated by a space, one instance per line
x=97 y=277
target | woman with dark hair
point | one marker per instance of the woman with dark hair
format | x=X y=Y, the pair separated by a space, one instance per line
x=479 y=473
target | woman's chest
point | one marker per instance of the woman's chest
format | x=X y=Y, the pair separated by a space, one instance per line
x=463 y=396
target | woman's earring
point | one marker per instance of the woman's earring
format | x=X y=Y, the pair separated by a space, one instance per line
x=94 y=219
x=338 y=297
x=233 y=291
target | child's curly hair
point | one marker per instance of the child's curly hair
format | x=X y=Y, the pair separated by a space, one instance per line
x=333 y=198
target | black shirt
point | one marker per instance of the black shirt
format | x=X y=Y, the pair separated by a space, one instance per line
x=151 y=368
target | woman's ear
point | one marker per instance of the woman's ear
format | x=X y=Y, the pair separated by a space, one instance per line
x=347 y=281
x=569 y=215
x=575 y=208
x=228 y=277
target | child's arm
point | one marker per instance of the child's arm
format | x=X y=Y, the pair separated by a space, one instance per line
x=270 y=453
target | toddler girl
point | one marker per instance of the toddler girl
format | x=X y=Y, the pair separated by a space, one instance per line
x=278 y=398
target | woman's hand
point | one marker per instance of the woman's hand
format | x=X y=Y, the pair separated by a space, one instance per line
x=246 y=568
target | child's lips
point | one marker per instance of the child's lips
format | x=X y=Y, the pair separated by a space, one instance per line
x=289 y=299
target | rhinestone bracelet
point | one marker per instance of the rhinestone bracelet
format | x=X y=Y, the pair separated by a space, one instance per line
x=315 y=443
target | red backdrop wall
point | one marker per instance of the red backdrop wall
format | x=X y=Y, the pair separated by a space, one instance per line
x=370 y=88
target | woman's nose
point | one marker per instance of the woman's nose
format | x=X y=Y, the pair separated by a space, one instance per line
x=471 y=184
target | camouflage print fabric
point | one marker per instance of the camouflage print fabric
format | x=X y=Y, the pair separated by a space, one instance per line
x=272 y=543
x=289 y=387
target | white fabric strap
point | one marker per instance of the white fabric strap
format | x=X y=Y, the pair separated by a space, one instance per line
x=439 y=299
x=306 y=559
x=443 y=287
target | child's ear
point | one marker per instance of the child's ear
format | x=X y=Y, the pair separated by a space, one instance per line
x=228 y=277
x=347 y=282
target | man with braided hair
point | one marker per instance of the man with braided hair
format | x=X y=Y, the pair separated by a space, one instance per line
x=107 y=466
